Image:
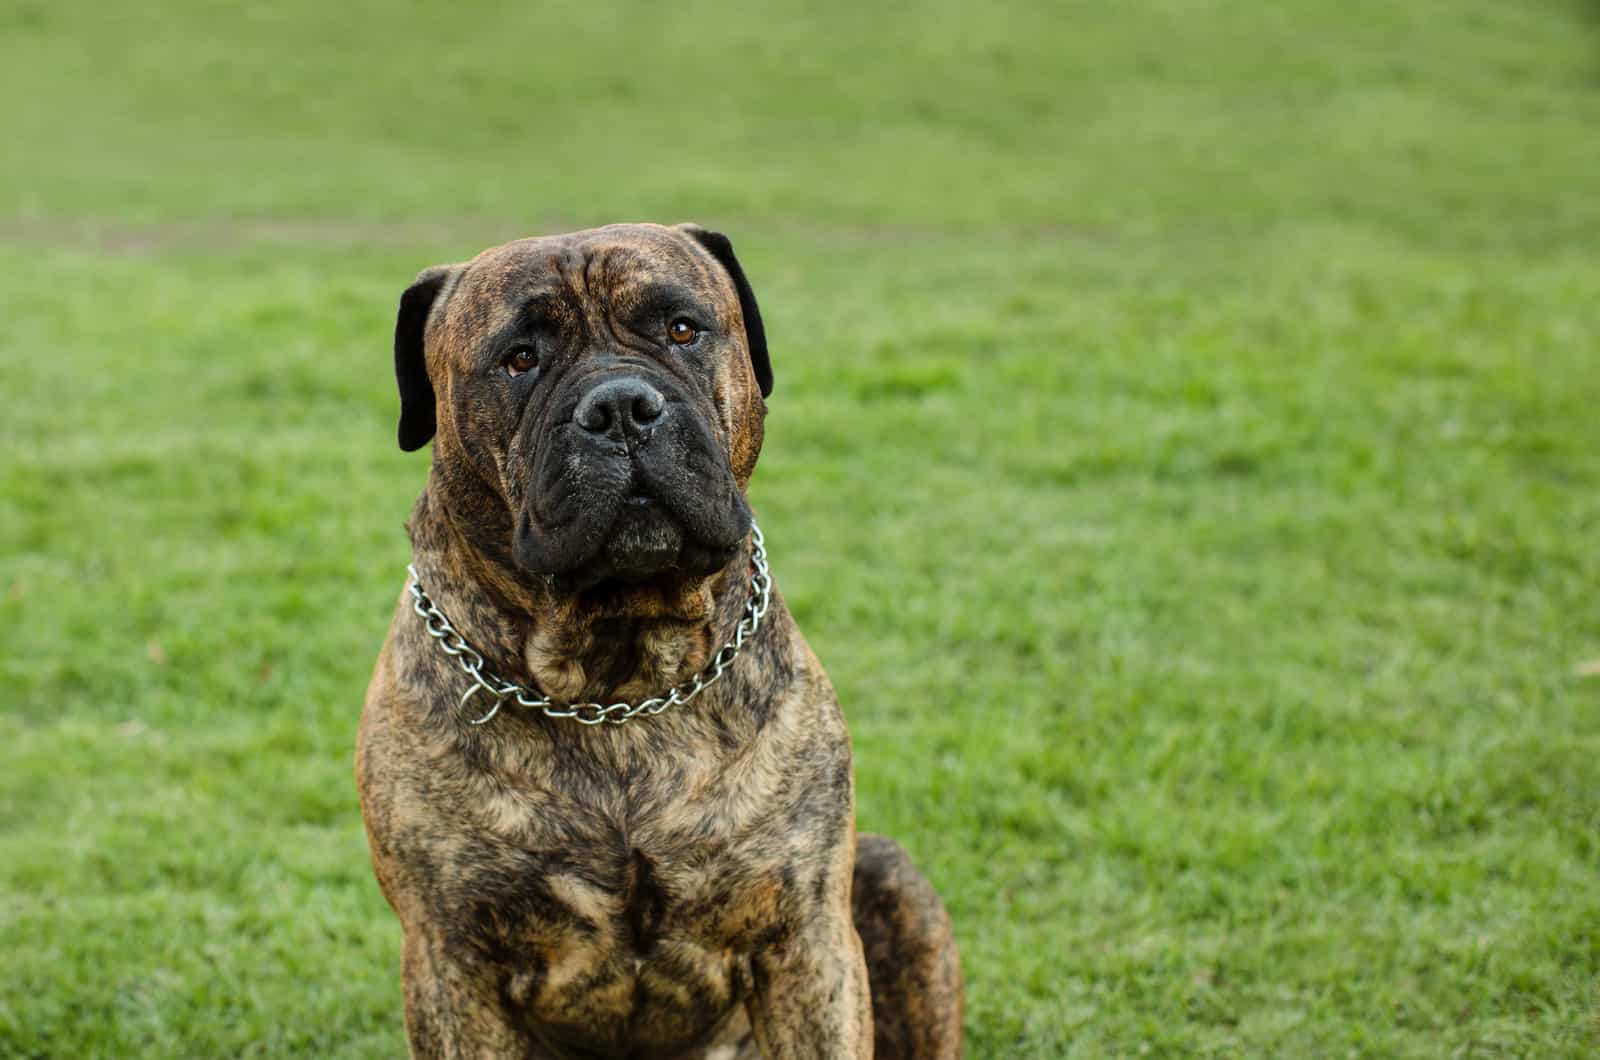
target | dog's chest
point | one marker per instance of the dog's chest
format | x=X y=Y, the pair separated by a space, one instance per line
x=605 y=913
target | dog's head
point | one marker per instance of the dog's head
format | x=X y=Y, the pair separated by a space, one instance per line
x=597 y=398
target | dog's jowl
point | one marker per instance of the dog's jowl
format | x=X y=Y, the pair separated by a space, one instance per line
x=606 y=783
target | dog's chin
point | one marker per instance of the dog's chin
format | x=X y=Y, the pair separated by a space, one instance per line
x=646 y=544
x=644 y=541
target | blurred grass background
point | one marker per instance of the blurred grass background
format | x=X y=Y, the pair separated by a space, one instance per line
x=1184 y=456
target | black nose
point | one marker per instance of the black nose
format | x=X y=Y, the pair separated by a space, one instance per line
x=628 y=404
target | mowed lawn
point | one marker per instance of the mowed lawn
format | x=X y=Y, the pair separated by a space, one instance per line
x=1185 y=457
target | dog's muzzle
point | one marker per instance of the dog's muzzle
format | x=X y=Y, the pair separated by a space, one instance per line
x=630 y=484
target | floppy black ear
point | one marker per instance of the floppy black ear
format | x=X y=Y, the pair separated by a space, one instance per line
x=755 y=335
x=410 y=367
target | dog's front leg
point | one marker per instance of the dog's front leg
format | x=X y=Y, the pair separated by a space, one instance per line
x=811 y=1000
x=452 y=1014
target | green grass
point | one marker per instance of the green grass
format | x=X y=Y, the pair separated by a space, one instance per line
x=1185 y=458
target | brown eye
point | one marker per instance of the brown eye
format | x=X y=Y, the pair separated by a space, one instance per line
x=681 y=332
x=522 y=359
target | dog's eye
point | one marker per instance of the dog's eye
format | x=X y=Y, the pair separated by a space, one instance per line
x=681 y=332
x=522 y=359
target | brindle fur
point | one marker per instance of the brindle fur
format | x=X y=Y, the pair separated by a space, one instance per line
x=686 y=885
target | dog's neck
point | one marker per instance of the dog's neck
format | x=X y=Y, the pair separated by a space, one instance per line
x=603 y=645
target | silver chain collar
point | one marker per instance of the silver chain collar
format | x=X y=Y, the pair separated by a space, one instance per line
x=499 y=689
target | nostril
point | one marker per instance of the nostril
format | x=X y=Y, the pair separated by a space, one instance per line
x=647 y=406
x=594 y=416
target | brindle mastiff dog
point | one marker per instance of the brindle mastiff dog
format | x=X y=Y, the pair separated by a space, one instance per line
x=687 y=884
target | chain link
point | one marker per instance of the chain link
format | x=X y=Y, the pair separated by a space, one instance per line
x=453 y=644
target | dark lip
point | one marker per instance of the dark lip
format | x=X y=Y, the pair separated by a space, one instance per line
x=638 y=500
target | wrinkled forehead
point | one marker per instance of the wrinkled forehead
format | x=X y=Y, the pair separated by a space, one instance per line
x=608 y=269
